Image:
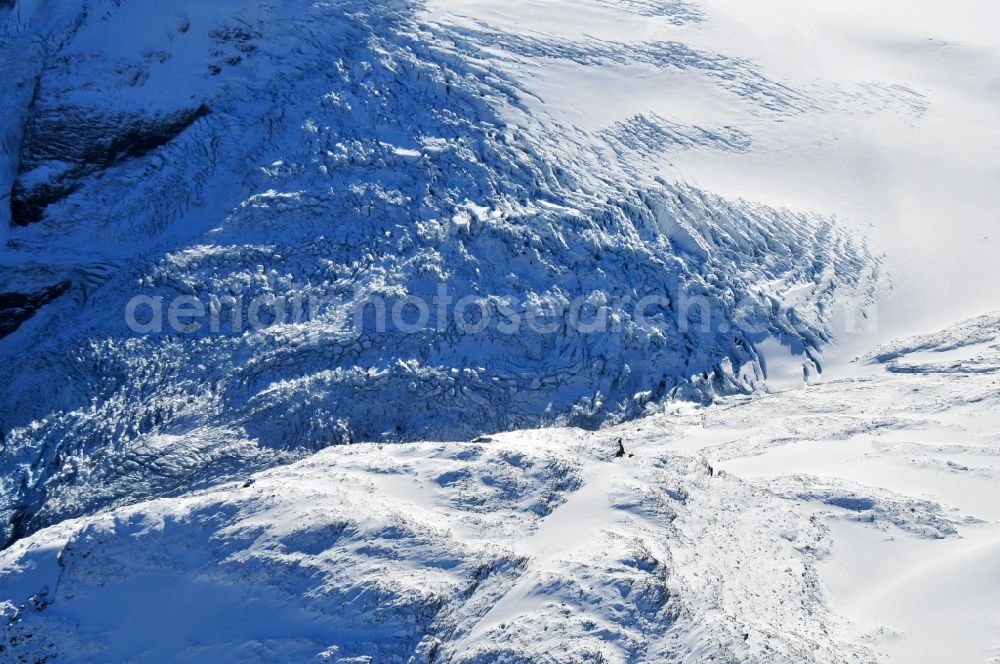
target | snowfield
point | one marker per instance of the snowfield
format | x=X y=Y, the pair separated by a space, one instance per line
x=782 y=207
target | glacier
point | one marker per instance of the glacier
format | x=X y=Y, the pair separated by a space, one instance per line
x=689 y=386
x=343 y=148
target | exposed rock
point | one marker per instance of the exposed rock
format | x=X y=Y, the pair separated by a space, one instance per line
x=64 y=144
x=15 y=308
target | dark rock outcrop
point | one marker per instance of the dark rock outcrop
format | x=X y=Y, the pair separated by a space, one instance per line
x=15 y=308
x=62 y=145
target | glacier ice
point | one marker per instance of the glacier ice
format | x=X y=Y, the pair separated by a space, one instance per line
x=173 y=149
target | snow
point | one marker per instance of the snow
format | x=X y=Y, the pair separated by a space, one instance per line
x=345 y=150
x=581 y=555
x=912 y=587
x=853 y=520
x=898 y=137
x=811 y=470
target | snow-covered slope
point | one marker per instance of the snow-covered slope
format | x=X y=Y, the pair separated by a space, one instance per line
x=540 y=546
x=351 y=152
x=712 y=539
x=634 y=203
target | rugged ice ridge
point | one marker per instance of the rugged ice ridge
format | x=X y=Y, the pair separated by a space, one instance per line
x=710 y=540
x=362 y=151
